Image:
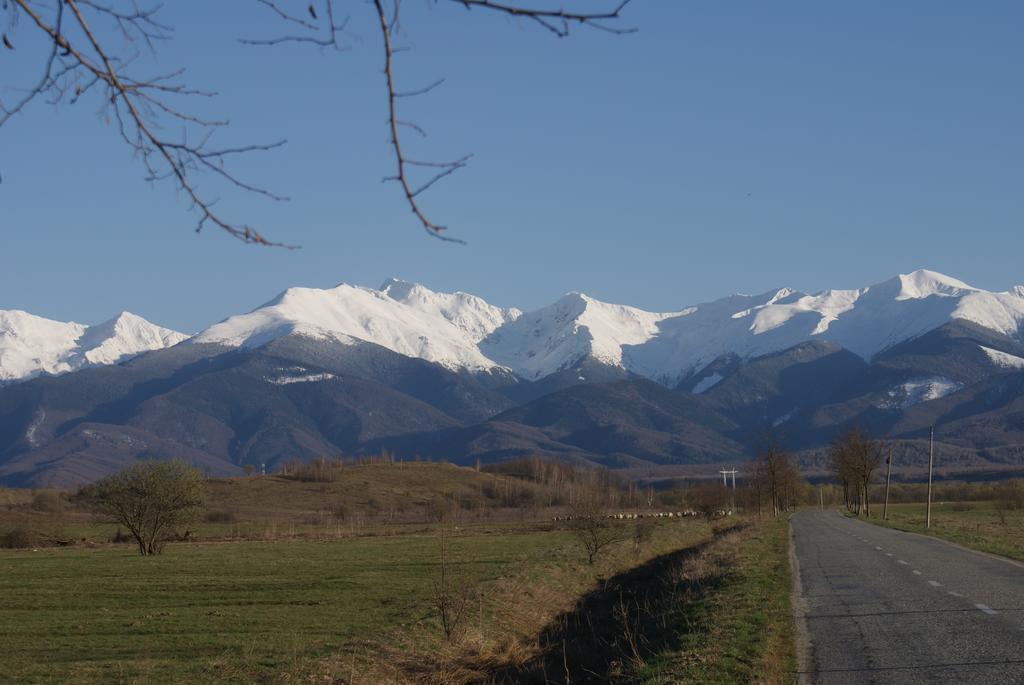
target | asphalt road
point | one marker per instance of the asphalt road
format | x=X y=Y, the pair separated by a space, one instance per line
x=880 y=606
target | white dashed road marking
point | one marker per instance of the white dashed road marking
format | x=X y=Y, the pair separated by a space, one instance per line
x=955 y=594
x=916 y=572
x=902 y=562
x=986 y=609
x=934 y=583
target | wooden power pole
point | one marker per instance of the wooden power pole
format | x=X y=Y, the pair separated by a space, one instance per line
x=931 y=464
x=888 y=477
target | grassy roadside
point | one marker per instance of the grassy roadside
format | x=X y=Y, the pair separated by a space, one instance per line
x=741 y=629
x=972 y=524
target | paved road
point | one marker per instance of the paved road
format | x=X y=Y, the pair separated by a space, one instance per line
x=881 y=606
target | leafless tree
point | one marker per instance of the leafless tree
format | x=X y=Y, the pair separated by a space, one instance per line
x=94 y=46
x=776 y=478
x=451 y=596
x=1007 y=496
x=855 y=458
x=589 y=522
x=710 y=500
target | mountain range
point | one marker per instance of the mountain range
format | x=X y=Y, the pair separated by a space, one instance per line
x=352 y=370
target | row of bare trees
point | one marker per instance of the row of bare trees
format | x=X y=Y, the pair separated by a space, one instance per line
x=776 y=483
x=855 y=458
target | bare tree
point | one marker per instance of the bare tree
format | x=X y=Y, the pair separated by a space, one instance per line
x=855 y=458
x=710 y=500
x=590 y=523
x=1007 y=496
x=776 y=478
x=151 y=499
x=94 y=45
x=451 y=596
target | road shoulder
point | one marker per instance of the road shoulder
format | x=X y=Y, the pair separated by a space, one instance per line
x=801 y=634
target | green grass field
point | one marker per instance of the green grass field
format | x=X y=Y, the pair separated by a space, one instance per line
x=972 y=524
x=281 y=589
x=228 y=612
x=284 y=611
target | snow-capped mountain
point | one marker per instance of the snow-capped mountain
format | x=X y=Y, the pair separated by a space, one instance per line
x=343 y=371
x=469 y=313
x=31 y=345
x=670 y=346
x=462 y=331
x=555 y=337
x=403 y=317
x=865 y=321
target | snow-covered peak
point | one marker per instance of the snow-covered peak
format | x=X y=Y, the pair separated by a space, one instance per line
x=865 y=321
x=30 y=345
x=469 y=313
x=555 y=337
x=463 y=331
x=924 y=283
x=125 y=335
x=349 y=313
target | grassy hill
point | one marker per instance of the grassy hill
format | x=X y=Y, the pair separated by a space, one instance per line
x=311 y=501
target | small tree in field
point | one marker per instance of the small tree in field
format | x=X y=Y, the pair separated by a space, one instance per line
x=591 y=526
x=151 y=498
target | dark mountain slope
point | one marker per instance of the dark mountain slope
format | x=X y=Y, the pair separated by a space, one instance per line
x=621 y=423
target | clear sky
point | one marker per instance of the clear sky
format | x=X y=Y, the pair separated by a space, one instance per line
x=725 y=146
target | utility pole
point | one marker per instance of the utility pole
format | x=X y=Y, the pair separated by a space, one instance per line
x=821 y=497
x=725 y=483
x=888 y=476
x=725 y=478
x=931 y=464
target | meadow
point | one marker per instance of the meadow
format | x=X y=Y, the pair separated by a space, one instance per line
x=978 y=525
x=338 y=582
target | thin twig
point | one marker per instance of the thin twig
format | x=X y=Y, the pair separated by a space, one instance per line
x=393 y=124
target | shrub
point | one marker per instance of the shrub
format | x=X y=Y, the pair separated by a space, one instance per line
x=220 y=517
x=590 y=524
x=341 y=512
x=440 y=508
x=17 y=538
x=642 y=534
x=48 y=501
x=151 y=498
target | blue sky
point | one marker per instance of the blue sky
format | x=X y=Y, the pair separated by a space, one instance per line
x=725 y=146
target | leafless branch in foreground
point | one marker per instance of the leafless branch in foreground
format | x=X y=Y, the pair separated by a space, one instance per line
x=79 y=62
x=82 y=60
x=557 y=21
x=329 y=37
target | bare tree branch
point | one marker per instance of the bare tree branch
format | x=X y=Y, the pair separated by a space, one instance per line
x=81 y=60
x=330 y=39
x=131 y=102
x=558 y=20
x=447 y=168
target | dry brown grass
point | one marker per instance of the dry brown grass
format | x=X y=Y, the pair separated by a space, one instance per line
x=507 y=634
